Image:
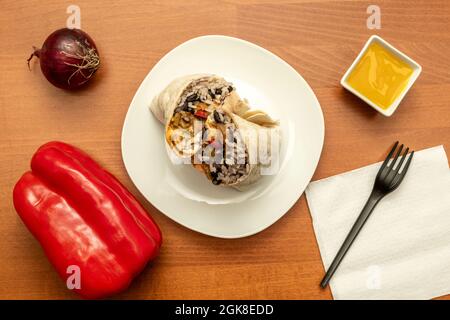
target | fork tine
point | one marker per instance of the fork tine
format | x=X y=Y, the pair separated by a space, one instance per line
x=407 y=164
x=401 y=161
x=391 y=174
x=396 y=157
x=385 y=162
x=405 y=169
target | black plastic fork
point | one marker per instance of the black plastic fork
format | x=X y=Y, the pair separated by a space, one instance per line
x=388 y=179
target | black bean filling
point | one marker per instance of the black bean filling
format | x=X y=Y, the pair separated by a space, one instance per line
x=202 y=92
x=203 y=97
x=218 y=117
x=235 y=164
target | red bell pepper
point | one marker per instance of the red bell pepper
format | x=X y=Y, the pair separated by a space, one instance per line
x=201 y=114
x=84 y=217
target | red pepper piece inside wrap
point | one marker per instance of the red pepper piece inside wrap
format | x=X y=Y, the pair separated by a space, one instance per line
x=84 y=217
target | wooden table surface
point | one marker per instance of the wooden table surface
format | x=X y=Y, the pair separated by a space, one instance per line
x=318 y=38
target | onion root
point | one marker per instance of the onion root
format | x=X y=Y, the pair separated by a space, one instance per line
x=36 y=53
x=90 y=61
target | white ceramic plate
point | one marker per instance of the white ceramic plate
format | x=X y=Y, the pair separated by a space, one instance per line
x=184 y=195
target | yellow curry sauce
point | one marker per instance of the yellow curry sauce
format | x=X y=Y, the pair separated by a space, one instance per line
x=380 y=75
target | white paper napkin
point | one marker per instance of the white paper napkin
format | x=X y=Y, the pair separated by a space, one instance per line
x=403 y=250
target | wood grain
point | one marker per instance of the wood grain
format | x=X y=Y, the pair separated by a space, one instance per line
x=318 y=38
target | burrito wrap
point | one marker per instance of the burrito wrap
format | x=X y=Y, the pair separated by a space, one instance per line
x=176 y=94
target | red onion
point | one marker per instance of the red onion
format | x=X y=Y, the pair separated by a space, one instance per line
x=68 y=58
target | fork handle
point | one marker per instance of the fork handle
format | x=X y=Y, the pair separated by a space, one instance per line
x=371 y=203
